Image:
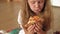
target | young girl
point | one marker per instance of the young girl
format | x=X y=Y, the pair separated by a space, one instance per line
x=31 y=8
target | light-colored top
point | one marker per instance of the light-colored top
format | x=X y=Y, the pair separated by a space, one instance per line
x=20 y=18
x=20 y=22
x=21 y=32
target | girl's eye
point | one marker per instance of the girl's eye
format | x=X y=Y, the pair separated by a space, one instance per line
x=39 y=2
x=32 y=2
x=42 y=1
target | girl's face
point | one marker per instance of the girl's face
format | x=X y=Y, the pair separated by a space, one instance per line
x=36 y=5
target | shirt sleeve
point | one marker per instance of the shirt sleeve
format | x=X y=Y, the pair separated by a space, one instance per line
x=21 y=32
x=19 y=18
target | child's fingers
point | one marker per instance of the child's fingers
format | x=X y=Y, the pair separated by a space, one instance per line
x=35 y=30
x=30 y=28
x=41 y=32
x=39 y=24
x=38 y=27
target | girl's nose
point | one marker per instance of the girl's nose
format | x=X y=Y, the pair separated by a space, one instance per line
x=36 y=5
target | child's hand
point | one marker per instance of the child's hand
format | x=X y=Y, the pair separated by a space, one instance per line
x=38 y=27
x=41 y=32
x=34 y=27
x=30 y=29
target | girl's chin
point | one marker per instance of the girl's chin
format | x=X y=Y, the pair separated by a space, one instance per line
x=37 y=11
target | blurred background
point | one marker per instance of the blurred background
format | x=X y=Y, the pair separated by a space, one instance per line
x=9 y=12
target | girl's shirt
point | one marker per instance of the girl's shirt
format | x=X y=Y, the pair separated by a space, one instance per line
x=20 y=23
x=21 y=31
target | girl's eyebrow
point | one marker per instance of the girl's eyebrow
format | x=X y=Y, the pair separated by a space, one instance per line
x=32 y=1
x=35 y=1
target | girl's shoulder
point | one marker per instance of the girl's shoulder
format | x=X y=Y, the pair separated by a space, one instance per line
x=19 y=17
x=21 y=31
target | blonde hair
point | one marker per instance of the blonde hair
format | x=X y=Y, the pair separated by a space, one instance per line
x=46 y=12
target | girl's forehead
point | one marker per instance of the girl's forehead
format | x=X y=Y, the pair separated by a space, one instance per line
x=35 y=0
